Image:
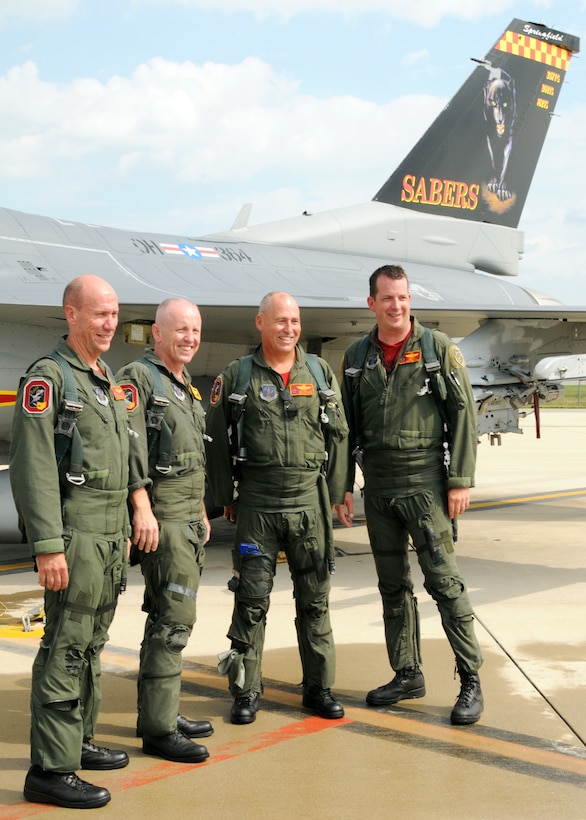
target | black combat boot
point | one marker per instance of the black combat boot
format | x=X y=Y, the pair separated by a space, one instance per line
x=244 y=708
x=176 y=747
x=407 y=683
x=470 y=703
x=63 y=789
x=323 y=702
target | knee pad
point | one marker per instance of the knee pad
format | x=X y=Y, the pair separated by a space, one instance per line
x=256 y=576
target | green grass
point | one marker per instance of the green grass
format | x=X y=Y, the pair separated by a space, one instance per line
x=573 y=397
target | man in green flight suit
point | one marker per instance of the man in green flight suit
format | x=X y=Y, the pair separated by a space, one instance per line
x=413 y=485
x=283 y=428
x=72 y=502
x=169 y=522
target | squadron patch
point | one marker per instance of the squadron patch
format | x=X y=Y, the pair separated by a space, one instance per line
x=101 y=396
x=178 y=392
x=131 y=396
x=372 y=362
x=195 y=392
x=268 y=392
x=301 y=389
x=456 y=358
x=216 y=393
x=37 y=396
x=410 y=357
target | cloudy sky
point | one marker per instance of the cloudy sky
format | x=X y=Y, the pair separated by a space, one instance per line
x=169 y=115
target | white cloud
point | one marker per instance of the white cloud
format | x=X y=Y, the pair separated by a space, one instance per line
x=35 y=9
x=213 y=122
x=423 y=12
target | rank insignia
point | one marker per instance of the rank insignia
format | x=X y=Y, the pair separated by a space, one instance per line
x=410 y=357
x=268 y=392
x=195 y=392
x=178 y=392
x=131 y=396
x=101 y=396
x=118 y=392
x=216 y=391
x=301 y=389
x=37 y=396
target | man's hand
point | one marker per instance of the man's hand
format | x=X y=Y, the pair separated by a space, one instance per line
x=458 y=501
x=145 y=528
x=53 y=572
x=345 y=511
x=206 y=523
x=230 y=512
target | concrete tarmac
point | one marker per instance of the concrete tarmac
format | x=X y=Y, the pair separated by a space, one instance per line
x=522 y=551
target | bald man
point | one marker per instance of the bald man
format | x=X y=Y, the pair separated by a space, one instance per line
x=69 y=475
x=169 y=523
x=272 y=437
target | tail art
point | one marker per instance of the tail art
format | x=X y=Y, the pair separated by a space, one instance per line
x=477 y=159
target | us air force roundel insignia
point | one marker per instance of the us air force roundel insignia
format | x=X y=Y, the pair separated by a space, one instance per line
x=178 y=392
x=216 y=393
x=101 y=396
x=37 y=396
x=268 y=392
x=131 y=395
x=456 y=358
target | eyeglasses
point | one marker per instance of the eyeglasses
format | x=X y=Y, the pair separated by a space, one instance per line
x=290 y=406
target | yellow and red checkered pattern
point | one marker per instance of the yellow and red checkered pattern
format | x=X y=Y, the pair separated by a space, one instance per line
x=532 y=49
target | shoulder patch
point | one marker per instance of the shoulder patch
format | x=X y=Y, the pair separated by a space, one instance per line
x=216 y=393
x=131 y=396
x=37 y=396
x=456 y=358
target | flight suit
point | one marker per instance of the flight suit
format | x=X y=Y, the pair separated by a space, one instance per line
x=89 y=522
x=172 y=572
x=283 y=503
x=396 y=422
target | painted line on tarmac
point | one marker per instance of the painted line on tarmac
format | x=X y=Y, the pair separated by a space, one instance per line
x=525 y=499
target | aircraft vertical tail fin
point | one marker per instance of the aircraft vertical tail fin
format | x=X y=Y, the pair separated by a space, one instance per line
x=477 y=160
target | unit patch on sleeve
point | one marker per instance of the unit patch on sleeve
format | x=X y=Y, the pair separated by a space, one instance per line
x=216 y=393
x=37 y=396
x=131 y=396
x=456 y=358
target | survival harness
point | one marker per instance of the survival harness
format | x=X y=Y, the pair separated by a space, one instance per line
x=159 y=437
x=67 y=436
x=435 y=384
x=238 y=401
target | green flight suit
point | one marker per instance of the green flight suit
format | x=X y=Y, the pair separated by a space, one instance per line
x=89 y=522
x=172 y=572
x=283 y=503
x=395 y=420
